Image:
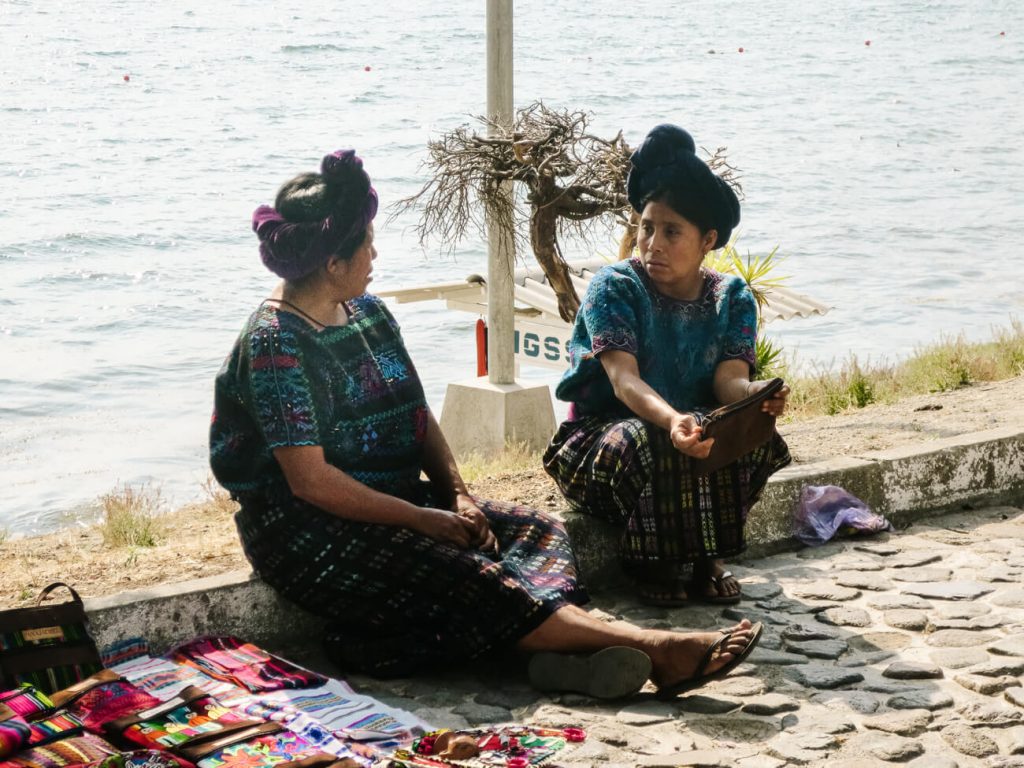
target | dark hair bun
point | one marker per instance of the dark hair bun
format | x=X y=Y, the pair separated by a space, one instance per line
x=304 y=198
x=667 y=163
x=664 y=145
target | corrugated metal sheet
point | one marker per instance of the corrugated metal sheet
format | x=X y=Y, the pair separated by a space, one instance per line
x=534 y=296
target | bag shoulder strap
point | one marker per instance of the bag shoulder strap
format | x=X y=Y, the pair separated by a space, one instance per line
x=54 y=586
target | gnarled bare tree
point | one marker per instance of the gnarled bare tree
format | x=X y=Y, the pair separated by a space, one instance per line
x=571 y=179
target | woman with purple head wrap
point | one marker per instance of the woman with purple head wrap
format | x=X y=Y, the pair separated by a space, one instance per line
x=660 y=340
x=321 y=433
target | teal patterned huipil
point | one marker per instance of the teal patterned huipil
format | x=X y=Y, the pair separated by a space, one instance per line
x=351 y=389
x=678 y=344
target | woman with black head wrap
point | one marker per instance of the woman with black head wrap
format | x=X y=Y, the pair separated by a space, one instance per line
x=659 y=341
x=321 y=432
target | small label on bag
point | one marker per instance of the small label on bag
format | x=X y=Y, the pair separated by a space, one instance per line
x=38 y=634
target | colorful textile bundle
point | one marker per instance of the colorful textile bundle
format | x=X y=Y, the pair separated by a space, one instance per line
x=190 y=716
x=73 y=750
x=102 y=698
x=14 y=736
x=507 y=746
x=24 y=702
x=243 y=664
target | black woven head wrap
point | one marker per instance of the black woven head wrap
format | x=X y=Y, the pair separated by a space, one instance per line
x=667 y=161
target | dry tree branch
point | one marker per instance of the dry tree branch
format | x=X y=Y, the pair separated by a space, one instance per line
x=571 y=179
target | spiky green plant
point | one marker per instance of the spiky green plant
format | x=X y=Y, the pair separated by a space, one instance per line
x=758 y=273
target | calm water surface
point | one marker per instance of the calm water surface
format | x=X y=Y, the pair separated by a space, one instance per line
x=891 y=175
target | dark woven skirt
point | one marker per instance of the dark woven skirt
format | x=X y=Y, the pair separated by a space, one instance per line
x=626 y=471
x=397 y=602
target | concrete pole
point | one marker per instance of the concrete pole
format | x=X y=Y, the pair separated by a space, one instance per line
x=500 y=244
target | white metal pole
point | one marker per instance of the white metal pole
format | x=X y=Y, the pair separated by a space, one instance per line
x=500 y=244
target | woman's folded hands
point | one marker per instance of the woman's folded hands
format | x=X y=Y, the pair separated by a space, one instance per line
x=465 y=526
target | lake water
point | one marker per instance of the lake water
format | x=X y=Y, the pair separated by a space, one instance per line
x=890 y=174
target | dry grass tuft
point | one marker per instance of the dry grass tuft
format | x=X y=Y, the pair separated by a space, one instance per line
x=130 y=517
x=947 y=365
x=516 y=457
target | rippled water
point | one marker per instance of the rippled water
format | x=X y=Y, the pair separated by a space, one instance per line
x=890 y=174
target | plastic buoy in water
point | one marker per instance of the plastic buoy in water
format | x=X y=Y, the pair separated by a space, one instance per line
x=741 y=50
x=126 y=78
x=867 y=42
x=366 y=68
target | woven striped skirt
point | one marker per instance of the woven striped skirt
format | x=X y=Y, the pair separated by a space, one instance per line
x=397 y=602
x=627 y=472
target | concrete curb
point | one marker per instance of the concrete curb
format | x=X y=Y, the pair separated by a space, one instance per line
x=904 y=484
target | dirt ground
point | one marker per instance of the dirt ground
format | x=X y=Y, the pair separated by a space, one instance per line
x=200 y=540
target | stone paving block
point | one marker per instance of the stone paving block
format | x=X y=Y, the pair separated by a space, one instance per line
x=738 y=686
x=969 y=741
x=958 y=658
x=1008 y=598
x=875 y=582
x=959 y=638
x=707 y=704
x=913 y=559
x=981 y=622
x=921 y=575
x=1014 y=696
x=825 y=591
x=845 y=617
x=818 y=649
x=951 y=590
x=476 y=714
x=882 y=549
x=858 y=701
x=1010 y=646
x=869 y=642
x=910 y=670
x=993 y=714
x=770 y=704
x=886 y=746
x=986 y=685
x=801 y=631
x=898 y=602
x=933 y=761
x=961 y=610
x=734 y=728
x=646 y=713
x=915 y=621
x=762 y=656
x=921 y=699
x=761 y=590
x=823 y=677
x=999 y=666
x=910 y=722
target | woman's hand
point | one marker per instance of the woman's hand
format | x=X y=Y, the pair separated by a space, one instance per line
x=448 y=527
x=467 y=509
x=776 y=404
x=685 y=434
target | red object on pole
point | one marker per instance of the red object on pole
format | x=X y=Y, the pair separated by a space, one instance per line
x=481 y=347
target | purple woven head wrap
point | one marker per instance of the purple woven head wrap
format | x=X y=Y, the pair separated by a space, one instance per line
x=293 y=248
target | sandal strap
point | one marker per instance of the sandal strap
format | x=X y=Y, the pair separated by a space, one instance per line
x=709 y=654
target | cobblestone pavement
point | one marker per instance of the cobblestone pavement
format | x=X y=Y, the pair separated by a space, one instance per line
x=904 y=648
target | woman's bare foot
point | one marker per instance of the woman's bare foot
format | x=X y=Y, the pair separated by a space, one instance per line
x=718 y=582
x=676 y=656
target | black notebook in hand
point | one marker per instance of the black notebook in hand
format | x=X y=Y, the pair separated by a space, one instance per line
x=738 y=428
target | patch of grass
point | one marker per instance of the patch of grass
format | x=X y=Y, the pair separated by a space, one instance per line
x=949 y=364
x=516 y=457
x=130 y=516
x=217 y=499
x=5 y=534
